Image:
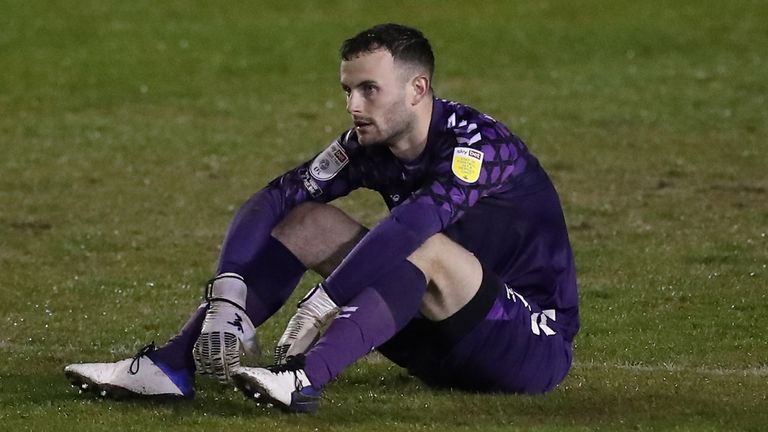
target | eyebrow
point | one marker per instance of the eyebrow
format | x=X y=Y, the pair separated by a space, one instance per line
x=360 y=84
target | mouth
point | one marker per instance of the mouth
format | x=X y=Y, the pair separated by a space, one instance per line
x=362 y=124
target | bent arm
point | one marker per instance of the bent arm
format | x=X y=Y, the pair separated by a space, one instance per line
x=253 y=224
x=387 y=244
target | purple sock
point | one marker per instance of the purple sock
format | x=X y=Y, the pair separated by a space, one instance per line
x=367 y=321
x=177 y=352
x=271 y=278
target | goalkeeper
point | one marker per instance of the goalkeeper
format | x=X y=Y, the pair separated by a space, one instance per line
x=468 y=283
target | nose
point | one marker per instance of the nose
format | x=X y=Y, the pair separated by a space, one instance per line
x=353 y=103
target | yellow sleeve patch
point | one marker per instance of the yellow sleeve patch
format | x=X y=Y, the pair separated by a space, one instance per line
x=467 y=163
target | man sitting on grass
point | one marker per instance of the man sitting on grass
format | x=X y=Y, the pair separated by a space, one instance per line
x=468 y=283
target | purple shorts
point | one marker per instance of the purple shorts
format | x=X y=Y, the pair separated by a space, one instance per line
x=515 y=348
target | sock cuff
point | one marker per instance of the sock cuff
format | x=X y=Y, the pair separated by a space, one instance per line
x=451 y=330
x=277 y=247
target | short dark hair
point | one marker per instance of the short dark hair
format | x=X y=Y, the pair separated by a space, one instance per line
x=406 y=44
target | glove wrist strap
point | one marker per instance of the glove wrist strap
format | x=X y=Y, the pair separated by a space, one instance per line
x=229 y=288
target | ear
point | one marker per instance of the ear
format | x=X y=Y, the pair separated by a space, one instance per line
x=419 y=87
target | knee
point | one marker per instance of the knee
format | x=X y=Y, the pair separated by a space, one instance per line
x=427 y=257
x=440 y=259
x=453 y=273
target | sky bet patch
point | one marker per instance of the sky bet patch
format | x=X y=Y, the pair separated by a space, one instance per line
x=467 y=163
x=328 y=163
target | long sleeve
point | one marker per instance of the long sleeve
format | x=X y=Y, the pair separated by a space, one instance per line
x=333 y=177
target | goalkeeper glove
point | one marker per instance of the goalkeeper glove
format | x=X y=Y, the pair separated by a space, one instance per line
x=315 y=311
x=227 y=331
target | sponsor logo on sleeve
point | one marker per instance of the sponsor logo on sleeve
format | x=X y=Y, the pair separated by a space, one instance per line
x=328 y=163
x=467 y=163
x=311 y=185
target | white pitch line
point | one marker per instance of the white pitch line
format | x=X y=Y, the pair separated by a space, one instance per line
x=760 y=371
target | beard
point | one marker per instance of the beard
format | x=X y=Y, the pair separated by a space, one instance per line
x=389 y=129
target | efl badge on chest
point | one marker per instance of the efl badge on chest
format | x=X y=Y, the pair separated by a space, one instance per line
x=467 y=163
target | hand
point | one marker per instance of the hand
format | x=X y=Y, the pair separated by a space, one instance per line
x=227 y=331
x=315 y=312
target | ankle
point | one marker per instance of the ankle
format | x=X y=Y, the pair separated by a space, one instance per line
x=173 y=359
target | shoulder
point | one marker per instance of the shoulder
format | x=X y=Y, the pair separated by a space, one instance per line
x=477 y=147
x=466 y=127
x=469 y=125
x=465 y=120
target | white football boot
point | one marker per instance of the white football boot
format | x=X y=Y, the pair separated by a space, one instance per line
x=285 y=386
x=315 y=311
x=227 y=331
x=137 y=377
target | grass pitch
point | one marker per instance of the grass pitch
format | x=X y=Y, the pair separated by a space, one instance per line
x=130 y=132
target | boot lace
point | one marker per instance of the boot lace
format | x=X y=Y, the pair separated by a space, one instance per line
x=293 y=364
x=133 y=369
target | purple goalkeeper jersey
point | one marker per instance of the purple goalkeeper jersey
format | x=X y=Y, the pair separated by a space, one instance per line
x=469 y=157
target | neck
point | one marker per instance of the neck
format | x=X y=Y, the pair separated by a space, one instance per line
x=412 y=144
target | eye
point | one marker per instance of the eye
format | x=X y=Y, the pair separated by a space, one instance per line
x=369 y=89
